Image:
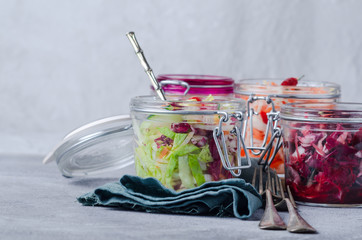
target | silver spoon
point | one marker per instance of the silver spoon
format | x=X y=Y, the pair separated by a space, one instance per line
x=132 y=38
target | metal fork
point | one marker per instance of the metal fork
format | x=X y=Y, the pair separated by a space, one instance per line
x=271 y=219
x=296 y=223
x=276 y=198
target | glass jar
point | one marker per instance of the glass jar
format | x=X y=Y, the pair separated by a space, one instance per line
x=199 y=85
x=304 y=92
x=175 y=139
x=323 y=152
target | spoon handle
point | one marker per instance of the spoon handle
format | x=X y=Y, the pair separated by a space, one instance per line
x=139 y=52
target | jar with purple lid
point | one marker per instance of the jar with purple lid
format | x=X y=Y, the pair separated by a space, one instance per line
x=197 y=85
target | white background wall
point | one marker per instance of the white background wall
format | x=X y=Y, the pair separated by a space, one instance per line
x=66 y=63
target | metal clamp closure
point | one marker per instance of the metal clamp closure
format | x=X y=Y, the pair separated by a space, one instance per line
x=265 y=151
x=176 y=82
x=218 y=132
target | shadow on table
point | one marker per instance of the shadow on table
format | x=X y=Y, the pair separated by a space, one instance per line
x=92 y=182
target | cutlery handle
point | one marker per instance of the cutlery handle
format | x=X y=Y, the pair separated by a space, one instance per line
x=139 y=52
x=296 y=223
x=271 y=219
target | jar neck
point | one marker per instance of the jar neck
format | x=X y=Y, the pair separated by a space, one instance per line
x=304 y=89
x=337 y=113
x=177 y=104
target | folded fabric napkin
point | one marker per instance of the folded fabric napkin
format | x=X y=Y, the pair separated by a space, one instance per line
x=231 y=197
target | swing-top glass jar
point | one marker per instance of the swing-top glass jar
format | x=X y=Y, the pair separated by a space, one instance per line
x=323 y=152
x=175 y=139
x=304 y=92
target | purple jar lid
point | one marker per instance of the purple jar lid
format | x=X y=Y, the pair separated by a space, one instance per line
x=199 y=84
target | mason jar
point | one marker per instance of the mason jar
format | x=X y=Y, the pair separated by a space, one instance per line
x=323 y=152
x=304 y=92
x=181 y=142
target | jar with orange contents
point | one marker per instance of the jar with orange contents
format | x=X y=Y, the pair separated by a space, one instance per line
x=281 y=91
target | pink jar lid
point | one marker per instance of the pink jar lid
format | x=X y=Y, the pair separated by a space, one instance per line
x=199 y=84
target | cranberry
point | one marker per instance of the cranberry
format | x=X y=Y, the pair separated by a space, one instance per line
x=290 y=82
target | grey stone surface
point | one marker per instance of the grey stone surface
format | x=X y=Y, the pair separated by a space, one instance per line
x=36 y=202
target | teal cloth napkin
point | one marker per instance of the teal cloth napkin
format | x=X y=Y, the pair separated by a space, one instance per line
x=231 y=197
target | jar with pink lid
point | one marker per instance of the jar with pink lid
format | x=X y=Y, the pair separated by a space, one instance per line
x=196 y=85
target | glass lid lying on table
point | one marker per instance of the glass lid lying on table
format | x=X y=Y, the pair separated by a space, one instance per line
x=96 y=147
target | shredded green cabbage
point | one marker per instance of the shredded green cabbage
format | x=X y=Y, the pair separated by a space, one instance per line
x=196 y=169
x=205 y=154
x=185 y=172
x=167 y=132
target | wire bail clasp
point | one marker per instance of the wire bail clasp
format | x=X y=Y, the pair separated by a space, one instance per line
x=178 y=83
x=267 y=150
x=218 y=132
x=264 y=153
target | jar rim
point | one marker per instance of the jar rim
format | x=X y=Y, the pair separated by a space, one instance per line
x=306 y=89
x=179 y=105
x=337 y=112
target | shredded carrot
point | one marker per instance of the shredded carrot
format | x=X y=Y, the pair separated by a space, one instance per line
x=164 y=152
x=242 y=152
x=258 y=135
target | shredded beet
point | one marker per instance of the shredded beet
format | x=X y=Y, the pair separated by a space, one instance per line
x=163 y=141
x=324 y=167
x=180 y=127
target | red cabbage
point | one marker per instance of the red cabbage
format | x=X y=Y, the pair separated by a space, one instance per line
x=324 y=166
x=181 y=127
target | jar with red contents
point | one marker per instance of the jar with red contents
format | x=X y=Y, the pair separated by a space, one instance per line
x=323 y=152
x=281 y=91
